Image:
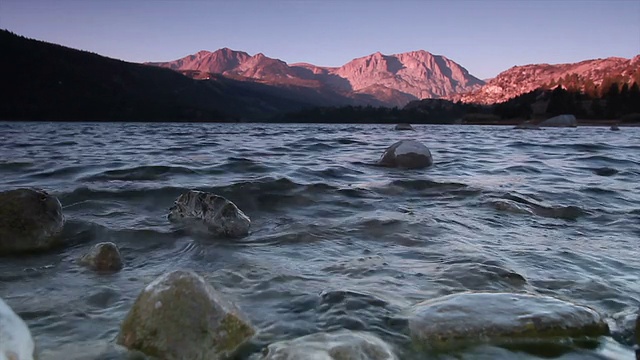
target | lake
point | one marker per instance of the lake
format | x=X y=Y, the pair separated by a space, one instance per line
x=553 y=212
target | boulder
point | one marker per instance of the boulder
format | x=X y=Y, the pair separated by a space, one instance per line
x=339 y=345
x=560 y=121
x=614 y=128
x=30 y=220
x=180 y=316
x=16 y=342
x=404 y=127
x=205 y=212
x=103 y=257
x=500 y=318
x=408 y=154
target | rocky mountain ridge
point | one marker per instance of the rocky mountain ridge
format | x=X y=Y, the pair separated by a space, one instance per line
x=391 y=80
x=586 y=76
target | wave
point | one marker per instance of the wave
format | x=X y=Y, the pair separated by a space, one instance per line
x=142 y=173
x=520 y=204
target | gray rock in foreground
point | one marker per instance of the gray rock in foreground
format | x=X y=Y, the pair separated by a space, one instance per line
x=30 y=220
x=339 y=345
x=500 y=318
x=408 y=154
x=179 y=316
x=205 y=212
x=15 y=338
x=103 y=257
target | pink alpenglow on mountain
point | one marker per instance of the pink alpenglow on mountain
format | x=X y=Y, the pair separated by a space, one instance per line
x=389 y=79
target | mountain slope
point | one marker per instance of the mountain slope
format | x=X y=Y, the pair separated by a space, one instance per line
x=374 y=79
x=585 y=76
x=45 y=81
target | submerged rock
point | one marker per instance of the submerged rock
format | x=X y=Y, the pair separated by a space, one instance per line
x=560 y=121
x=104 y=256
x=210 y=213
x=30 y=219
x=408 y=154
x=340 y=345
x=16 y=342
x=180 y=316
x=404 y=127
x=500 y=318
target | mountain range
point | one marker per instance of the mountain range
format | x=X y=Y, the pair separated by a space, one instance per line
x=376 y=79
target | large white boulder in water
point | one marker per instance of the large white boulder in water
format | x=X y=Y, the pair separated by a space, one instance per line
x=408 y=154
x=30 y=219
x=339 y=345
x=16 y=342
x=560 y=121
x=179 y=316
x=465 y=318
x=205 y=212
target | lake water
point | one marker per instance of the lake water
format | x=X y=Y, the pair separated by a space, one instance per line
x=559 y=207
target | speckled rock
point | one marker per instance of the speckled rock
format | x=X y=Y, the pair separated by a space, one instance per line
x=180 y=316
x=499 y=318
x=103 y=257
x=30 y=219
x=403 y=127
x=209 y=213
x=340 y=345
x=16 y=342
x=408 y=154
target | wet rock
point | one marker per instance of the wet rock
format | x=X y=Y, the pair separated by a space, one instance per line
x=404 y=127
x=566 y=120
x=340 y=345
x=500 y=318
x=408 y=154
x=614 y=128
x=30 y=219
x=180 y=316
x=16 y=342
x=103 y=257
x=205 y=212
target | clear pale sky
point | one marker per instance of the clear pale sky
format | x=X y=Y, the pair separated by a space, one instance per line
x=486 y=37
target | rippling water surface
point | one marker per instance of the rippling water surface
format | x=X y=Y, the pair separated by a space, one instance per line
x=335 y=241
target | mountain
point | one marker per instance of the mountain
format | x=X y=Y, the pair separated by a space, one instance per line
x=50 y=82
x=376 y=79
x=589 y=76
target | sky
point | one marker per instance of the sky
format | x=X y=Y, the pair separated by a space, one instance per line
x=484 y=36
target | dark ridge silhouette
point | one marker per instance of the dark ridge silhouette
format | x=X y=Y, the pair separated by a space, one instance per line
x=43 y=81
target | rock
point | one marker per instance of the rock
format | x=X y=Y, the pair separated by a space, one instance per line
x=104 y=256
x=90 y=350
x=408 y=154
x=180 y=316
x=16 y=342
x=30 y=219
x=527 y=125
x=340 y=345
x=614 y=128
x=500 y=318
x=404 y=127
x=560 y=121
x=210 y=213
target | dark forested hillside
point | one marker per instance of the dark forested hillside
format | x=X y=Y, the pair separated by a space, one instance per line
x=42 y=81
